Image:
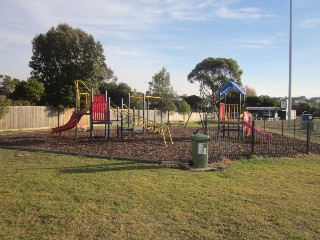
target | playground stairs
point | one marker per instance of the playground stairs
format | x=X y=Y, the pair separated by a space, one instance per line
x=146 y=124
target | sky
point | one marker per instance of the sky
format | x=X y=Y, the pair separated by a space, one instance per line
x=140 y=37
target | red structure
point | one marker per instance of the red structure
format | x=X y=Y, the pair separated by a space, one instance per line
x=222 y=111
x=100 y=109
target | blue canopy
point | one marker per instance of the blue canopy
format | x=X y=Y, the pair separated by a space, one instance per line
x=230 y=85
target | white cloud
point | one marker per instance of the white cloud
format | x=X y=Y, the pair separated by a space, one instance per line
x=257 y=43
x=240 y=13
x=310 y=23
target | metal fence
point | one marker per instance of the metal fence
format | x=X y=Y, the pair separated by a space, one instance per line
x=266 y=138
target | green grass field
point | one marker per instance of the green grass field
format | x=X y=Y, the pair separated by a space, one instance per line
x=47 y=196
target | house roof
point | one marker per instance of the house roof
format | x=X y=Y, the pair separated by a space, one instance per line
x=230 y=85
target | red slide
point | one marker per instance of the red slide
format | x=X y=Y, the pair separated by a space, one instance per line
x=257 y=131
x=70 y=124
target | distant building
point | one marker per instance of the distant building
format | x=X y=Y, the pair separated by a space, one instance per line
x=269 y=113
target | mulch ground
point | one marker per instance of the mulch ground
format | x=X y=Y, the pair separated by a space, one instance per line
x=148 y=146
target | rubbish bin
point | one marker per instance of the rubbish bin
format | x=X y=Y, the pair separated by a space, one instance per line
x=305 y=118
x=199 y=150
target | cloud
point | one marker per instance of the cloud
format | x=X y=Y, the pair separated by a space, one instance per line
x=310 y=23
x=240 y=13
x=257 y=43
x=125 y=19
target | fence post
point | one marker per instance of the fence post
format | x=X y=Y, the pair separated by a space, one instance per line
x=308 y=136
x=58 y=116
x=206 y=124
x=294 y=129
x=253 y=137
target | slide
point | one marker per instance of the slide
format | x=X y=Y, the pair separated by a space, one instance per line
x=70 y=124
x=248 y=126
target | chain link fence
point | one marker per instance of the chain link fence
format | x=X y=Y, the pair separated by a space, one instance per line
x=278 y=138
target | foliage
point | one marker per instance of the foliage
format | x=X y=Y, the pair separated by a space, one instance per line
x=117 y=92
x=48 y=196
x=250 y=91
x=194 y=101
x=20 y=103
x=65 y=54
x=184 y=108
x=262 y=101
x=30 y=91
x=7 y=85
x=305 y=107
x=269 y=101
x=213 y=73
x=161 y=86
x=136 y=100
x=254 y=101
x=4 y=106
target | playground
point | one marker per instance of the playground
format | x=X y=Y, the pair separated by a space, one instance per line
x=130 y=134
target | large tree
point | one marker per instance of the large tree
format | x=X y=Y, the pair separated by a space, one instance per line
x=213 y=73
x=65 y=54
x=161 y=86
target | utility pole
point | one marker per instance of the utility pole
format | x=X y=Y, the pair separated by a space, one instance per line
x=290 y=68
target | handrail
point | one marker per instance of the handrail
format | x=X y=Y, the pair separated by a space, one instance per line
x=80 y=93
x=162 y=129
x=83 y=83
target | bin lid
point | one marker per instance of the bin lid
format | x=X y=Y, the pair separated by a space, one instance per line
x=306 y=117
x=200 y=137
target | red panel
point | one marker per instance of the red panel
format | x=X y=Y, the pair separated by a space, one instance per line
x=222 y=111
x=99 y=108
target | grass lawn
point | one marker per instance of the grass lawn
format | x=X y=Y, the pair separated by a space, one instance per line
x=47 y=196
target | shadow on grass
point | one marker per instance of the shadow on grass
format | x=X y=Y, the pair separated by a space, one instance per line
x=108 y=168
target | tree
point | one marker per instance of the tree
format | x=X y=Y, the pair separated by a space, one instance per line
x=269 y=101
x=194 y=101
x=30 y=91
x=250 y=91
x=4 y=106
x=7 y=84
x=161 y=86
x=213 y=73
x=184 y=108
x=254 y=101
x=305 y=107
x=262 y=101
x=65 y=54
x=116 y=92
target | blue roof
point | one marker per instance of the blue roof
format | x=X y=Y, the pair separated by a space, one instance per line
x=230 y=85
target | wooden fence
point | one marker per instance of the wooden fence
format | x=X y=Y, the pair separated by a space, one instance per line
x=42 y=117
x=34 y=117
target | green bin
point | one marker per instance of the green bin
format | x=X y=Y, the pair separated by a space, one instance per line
x=199 y=150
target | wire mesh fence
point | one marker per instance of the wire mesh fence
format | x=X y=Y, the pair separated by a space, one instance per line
x=264 y=138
